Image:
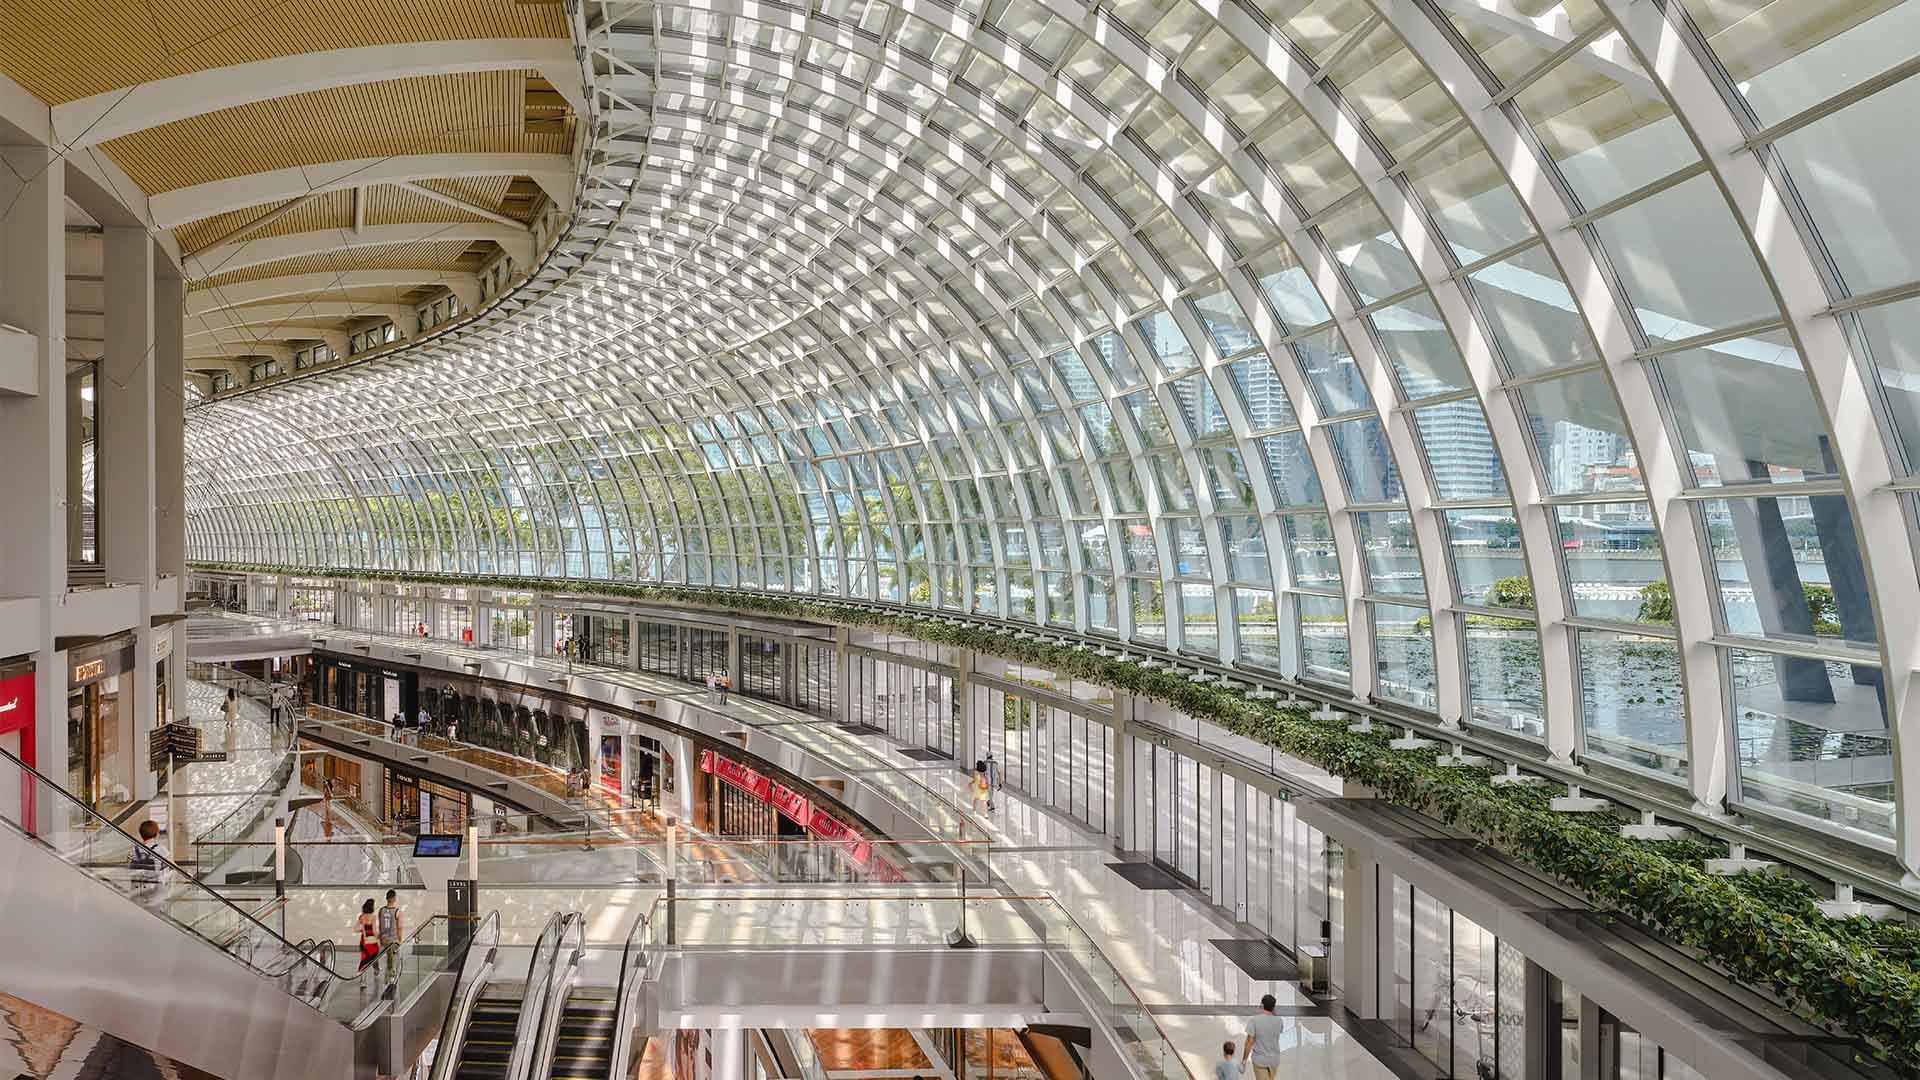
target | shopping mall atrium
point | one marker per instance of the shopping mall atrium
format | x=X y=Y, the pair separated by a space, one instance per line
x=954 y=539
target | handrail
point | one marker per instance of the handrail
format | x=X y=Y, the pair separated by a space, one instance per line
x=546 y=951
x=453 y=1024
x=98 y=824
x=553 y=1000
x=623 y=995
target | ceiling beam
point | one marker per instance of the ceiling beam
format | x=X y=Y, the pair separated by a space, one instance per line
x=214 y=325
x=445 y=199
x=110 y=115
x=325 y=284
x=240 y=255
x=170 y=209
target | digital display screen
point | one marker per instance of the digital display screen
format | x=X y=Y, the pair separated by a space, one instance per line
x=437 y=845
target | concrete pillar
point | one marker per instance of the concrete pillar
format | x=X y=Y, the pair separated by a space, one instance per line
x=1361 y=954
x=169 y=425
x=1119 y=822
x=33 y=429
x=124 y=467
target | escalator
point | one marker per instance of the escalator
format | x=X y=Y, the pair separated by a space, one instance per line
x=487 y=1051
x=496 y=1028
x=583 y=1046
x=93 y=924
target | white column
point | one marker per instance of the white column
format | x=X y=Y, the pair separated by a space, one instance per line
x=169 y=425
x=33 y=430
x=124 y=465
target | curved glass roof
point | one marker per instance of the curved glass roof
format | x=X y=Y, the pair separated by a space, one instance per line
x=1448 y=352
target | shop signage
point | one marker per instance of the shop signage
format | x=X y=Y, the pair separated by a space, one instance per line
x=827 y=827
x=791 y=803
x=16 y=701
x=163 y=647
x=742 y=777
x=88 y=670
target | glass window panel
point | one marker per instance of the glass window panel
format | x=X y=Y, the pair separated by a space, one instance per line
x=1391 y=90
x=1403 y=652
x=1288 y=290
x=1854 y=171
x=1460 y=451
x=1789 y=568
x=1198 y=620
x=1631 y=707
x=1420 y=348
x=1393 y=562
x=1149 y=611
x=1363 y=243
x=1811 y=737
x=1503 y=675
x=1785 y=58
x=1892 y=338
x=1366 y=461
x=1612 y=556
x=1246 y=546
x=1323 y=638
x=1580 y=437
x=1486 y=551
x=1262 y=394
x=1745 y=412
x=1310 y=550
x=1531 y=313
x=1231 y=330
x=1605 y=123
x=1330 y=369
x=1290 y=470
x=1685 y=263
x=1259 y=627
x=1469 y=200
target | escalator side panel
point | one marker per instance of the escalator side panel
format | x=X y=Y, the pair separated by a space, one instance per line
x=73 y=945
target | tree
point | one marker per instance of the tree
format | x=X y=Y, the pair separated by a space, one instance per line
x=1822 y=609
x=1511 y=592
x=1656 y=603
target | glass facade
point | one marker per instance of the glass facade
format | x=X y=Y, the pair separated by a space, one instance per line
x=1088 y=358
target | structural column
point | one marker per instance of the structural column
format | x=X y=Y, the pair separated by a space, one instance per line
x=33 y=429
x=124 y=465
x=169 y=427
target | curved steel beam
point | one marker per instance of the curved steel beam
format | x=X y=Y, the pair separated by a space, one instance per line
x=553 y=172
x=242 y=254
x=323 y=283
x=114 y=113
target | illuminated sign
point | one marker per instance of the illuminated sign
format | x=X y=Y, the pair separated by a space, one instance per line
x=92 y=669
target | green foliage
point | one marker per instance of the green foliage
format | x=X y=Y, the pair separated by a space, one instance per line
x=1822 y=609
x=1656 y=603
x=1759 y=930
x=1511 y=592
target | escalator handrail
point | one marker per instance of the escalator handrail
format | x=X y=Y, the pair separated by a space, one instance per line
x=622 y=1016
x=553 y=1000
x=546 y=952
x=102 y=823
x=453 y=1025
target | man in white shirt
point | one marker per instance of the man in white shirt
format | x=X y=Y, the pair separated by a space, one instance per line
x=1263 y=1040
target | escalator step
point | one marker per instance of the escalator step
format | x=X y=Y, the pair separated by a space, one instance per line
x=481 y=1072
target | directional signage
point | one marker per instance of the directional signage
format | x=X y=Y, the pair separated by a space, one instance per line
x=179 y=741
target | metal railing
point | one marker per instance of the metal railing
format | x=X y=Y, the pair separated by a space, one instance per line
x=477 y=956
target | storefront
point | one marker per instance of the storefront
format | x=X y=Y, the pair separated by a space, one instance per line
x=16 y=738
x=101 y=755
x=417 y=805
x=372 y=691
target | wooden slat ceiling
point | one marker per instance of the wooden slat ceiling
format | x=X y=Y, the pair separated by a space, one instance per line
x=473 y=112
x=61 y=52
x=387 y=204
x=427 y=255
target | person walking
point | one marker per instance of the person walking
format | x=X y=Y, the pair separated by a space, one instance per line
x=1226 y=1068
x=726 y=685
x=391 y=931
x=994 y=779
x=1263 y=1040
x=230 y=709
x=982 y=794
x=369 y=932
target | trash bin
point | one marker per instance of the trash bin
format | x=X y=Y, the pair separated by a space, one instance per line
x=1313 y=969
